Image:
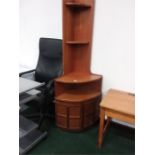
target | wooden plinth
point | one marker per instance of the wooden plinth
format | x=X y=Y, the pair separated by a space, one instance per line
x=76 y=116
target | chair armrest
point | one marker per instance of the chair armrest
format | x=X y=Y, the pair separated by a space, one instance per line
x=60 y=72
x=28 y=74
x=50 y=84
x=20 y=74
x=48 y=89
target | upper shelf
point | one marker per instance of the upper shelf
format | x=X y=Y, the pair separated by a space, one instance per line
x=77 y=5
x=77 y=42
x=78 y=78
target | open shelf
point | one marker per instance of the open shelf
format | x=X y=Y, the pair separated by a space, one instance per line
x=77 y=42
x=77 y=5
x=74 y=96
x=78 y=78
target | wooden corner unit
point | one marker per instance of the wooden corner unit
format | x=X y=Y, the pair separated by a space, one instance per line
x=78 y=91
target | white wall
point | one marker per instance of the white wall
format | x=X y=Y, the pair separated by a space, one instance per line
x=113 y=48
x=113 y=45
x=38 y=18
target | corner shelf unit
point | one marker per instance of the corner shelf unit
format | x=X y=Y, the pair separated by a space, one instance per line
x=78 y=91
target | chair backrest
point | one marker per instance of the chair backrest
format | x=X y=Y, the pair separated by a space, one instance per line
x=50 y=59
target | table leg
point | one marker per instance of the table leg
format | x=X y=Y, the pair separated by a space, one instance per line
x=101 y=128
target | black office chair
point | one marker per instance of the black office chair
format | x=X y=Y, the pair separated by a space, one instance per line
x=48 y=68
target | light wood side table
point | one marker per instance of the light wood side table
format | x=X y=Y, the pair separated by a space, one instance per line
x=116 y=104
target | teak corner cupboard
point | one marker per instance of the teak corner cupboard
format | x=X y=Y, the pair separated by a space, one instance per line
x=78 y=91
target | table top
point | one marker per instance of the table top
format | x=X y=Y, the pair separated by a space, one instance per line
x=123 y=102
x=26 y=85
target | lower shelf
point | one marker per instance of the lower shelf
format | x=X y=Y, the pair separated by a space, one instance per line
x=27 y=142
x=76 y=116
x=26 y=126
x=74 y=96
x=78 y=78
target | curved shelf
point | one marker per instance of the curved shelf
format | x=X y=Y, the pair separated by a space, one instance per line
x=77 y=42
x=73 y=96
x=77 y=78
x=77 y=5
